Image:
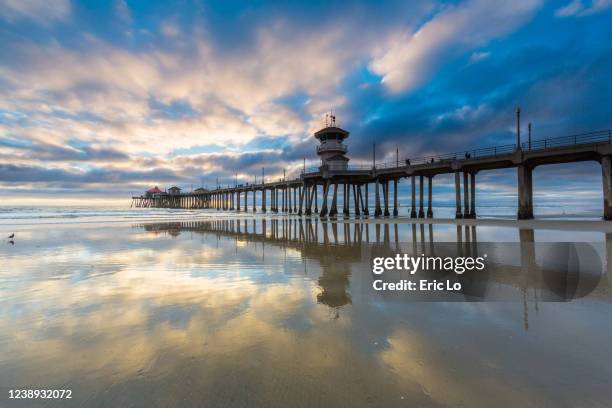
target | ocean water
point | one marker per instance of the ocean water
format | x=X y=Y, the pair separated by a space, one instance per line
x=19 y=215
x=204 y=308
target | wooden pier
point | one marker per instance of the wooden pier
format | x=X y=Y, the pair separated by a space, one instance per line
x=317 y=190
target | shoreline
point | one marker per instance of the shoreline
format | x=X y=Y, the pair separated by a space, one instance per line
x=551 y=224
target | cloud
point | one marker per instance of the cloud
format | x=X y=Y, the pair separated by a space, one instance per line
x=48 y=152
x=41 y=11
x=479 y=56
x=213 y=92
x=580 y=9
x=123 y=11
x=229 y=98
x=410 y=58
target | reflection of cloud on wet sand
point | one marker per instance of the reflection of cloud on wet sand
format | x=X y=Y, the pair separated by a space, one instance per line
x=190 y=313
x=449 y=377
x=206 y=318
x=184 y=331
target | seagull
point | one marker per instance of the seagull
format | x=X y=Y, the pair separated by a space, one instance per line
x=12 y=236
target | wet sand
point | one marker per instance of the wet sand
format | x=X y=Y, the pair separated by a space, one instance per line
x=227 y=312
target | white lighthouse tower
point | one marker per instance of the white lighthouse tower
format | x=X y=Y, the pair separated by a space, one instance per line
x=331 y=150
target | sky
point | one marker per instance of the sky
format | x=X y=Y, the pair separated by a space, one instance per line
x=103 y=99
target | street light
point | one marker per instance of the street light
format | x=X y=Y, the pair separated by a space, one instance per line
x=518 y=127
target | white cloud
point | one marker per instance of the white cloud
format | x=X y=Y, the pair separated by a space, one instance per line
x=580 y=9
x=123 y=11
x=233 y=97
x=570 y=9
x=479 y=56
x=41 y=11
x=170 y=29
x=412 y=57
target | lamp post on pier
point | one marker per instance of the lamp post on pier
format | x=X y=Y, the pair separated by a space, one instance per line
x=518 y=127
x=529 y=139
x=373 y=155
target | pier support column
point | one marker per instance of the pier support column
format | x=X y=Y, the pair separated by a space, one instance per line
x=276 y=199
x=286 y=199
x=366 y=208
x=473 y=195
x=323 y=212
x=284 y=203
x=429 y=197
x=606 y=178
x=294 y=199
x=466 y=195
x=377 y=210
x=316 y=198
x=238 y=201
x=525 y=193
x=413 y=213
x=313 y=191
x=301 y=200
x=289 y=199
x=421 y=198
x=308 y=210
x=254 y=200
x=458 y=213
x=246 y=200
x=395 y=212
x=345 y=201
x=263 y=200
x=334 y=206
x=356 y=199
x=360 y=195
x=386 y=193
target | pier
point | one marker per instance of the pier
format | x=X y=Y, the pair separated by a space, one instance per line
x=319 y=190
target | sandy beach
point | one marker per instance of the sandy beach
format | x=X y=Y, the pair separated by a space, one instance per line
x=254 y=311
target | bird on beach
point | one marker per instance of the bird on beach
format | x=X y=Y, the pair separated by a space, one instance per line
x=12 y=236
x=11 y=242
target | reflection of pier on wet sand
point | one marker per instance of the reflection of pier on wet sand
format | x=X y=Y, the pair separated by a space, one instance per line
x=345 y=251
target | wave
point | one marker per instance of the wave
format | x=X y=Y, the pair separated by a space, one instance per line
x=35 y=215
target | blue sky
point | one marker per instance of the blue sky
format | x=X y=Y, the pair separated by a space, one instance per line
x=106 y=98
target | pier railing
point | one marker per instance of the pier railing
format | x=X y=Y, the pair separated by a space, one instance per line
x=601 y=136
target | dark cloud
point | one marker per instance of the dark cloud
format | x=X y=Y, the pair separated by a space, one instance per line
x=16 y=174
x=83 y=153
